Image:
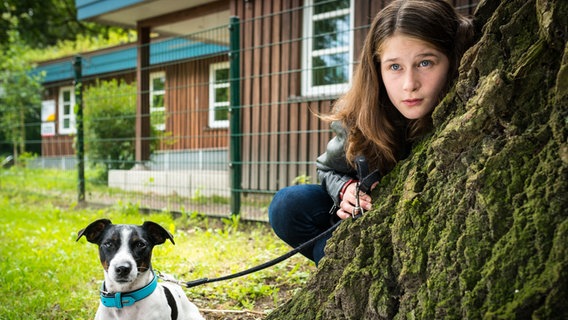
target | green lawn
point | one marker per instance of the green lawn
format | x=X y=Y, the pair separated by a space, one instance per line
x=46 y=274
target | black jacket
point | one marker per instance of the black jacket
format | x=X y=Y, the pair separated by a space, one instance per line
x=332 y=166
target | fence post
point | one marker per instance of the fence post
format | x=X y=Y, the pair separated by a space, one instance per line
x=80 y=150
x=235 y=116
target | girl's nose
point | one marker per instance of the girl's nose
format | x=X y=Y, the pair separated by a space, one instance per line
x=411 y=82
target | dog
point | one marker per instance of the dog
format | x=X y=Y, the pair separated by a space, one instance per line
x=130 y=289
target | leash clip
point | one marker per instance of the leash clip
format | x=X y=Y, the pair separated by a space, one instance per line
x=169 y=278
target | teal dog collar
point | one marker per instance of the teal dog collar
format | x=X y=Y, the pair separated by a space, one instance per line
x=125 y=299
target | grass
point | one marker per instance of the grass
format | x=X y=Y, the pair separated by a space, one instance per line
x=46 y=274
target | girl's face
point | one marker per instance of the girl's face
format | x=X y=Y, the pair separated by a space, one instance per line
x=414 y=73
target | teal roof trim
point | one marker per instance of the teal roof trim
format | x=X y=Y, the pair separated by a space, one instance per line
x=109 y=62
x=125 y=59
x=91 y=8
x=55 y=71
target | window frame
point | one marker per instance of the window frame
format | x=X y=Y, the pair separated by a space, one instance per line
x=62 y=116
x=308 y=89
x=213 y=123
x=153 y=93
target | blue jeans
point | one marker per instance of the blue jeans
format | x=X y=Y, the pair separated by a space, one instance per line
x=300 y=213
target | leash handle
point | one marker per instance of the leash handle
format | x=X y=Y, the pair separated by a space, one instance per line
x=366 y=179
x=362 y=167
x=365 y=182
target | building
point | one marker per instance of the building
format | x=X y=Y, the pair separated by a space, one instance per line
x=294 y=59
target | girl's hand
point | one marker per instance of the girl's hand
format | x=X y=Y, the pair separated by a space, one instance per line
x=349 y=201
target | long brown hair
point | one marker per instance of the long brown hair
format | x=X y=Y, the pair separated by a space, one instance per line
x=375 y=127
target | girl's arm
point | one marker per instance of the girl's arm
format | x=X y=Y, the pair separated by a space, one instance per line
x=332 y=167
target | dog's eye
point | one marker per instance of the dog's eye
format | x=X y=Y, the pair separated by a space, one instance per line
x=108 y=245
x=140 y=245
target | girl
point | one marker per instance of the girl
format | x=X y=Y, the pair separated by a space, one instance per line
x=409 y=59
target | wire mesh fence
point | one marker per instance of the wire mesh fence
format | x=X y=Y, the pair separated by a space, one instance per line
x=214 y=121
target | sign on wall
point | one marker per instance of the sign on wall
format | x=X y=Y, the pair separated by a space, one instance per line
x=48 y=118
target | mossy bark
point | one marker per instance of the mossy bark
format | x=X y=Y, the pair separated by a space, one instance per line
x=475 y=223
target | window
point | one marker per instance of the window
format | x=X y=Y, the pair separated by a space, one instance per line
x=327 y=46
x=219 y=95
x=157 y=101
x=67 y=110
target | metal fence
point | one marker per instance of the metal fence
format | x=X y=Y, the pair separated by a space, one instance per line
x=230 y=111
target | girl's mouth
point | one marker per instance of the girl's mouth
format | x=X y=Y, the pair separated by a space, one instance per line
x=412 y=102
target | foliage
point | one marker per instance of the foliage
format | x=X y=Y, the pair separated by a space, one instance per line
x=110 y=122
x=25 y=158
x=47 y=23
x=302 y=179
x=82 y=43
x=20 y=94
x=54 y=277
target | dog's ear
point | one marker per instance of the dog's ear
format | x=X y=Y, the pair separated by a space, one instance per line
x=157 y=233
x=94 y=231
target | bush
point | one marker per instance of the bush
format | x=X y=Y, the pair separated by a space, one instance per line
x=110 y=122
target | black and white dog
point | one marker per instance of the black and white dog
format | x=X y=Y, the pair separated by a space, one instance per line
x=130 y=289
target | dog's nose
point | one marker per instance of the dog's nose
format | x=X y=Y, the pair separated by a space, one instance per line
x=123 y=269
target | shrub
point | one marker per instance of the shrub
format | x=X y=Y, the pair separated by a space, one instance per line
x=110 y=122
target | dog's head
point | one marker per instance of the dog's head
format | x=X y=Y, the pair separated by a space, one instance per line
x=125 y=250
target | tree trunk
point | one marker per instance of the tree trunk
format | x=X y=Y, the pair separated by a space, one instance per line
x=474 y=224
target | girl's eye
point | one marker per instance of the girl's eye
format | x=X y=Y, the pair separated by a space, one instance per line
x=425 y=63
x=395 y=67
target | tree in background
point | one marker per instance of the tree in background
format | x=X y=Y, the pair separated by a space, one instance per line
x=32 y=31
x=45 y=23
x=20 y=93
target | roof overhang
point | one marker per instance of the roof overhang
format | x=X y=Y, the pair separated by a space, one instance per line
x=165 y=17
